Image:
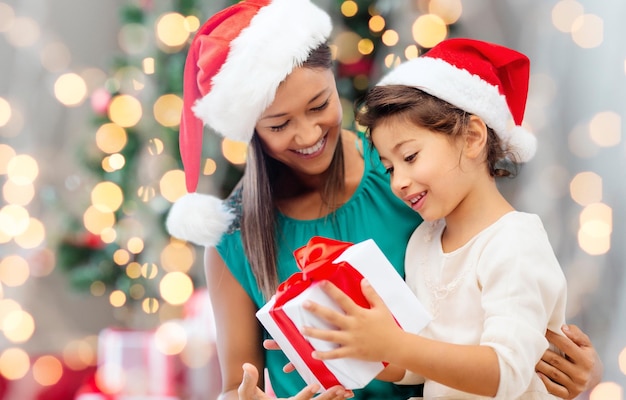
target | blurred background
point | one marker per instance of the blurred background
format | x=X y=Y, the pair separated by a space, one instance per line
x=98 y=302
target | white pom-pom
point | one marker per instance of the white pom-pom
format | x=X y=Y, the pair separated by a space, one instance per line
x=199 y=218
x=522 y=143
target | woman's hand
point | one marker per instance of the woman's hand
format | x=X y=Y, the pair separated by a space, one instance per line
x=270 y=344
x=248 y=390
x=578 y=371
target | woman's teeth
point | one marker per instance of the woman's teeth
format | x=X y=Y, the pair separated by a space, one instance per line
x=313 y=149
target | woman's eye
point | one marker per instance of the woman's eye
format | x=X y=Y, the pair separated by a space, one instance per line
x=320 y=108
x=410 y=158
x=389 y=170
x=279 y=128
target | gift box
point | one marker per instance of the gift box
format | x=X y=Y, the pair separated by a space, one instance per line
x=345 y=265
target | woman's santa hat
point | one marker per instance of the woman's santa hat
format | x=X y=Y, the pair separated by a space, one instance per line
x=234 y=66
x=484 y=79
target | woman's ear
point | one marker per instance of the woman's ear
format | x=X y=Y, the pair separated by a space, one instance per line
x=475 y=137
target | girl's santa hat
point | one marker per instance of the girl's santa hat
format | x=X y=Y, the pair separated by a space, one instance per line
x=234 y=66
x=484 y=79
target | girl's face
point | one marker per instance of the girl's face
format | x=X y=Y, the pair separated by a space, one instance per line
x=302 y=126
x=426 y=168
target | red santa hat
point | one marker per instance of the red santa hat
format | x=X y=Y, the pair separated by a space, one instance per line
x=234 y=66
x=484 y=79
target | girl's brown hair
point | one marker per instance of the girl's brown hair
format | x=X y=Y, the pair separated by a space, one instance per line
x=430 y=112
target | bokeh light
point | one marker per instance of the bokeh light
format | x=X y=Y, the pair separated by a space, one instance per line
x=117 y=298
x=18 y=326
x=235 y=152
x=107 y=196
x=176 y=287
x=20 y=195
x=14 y=220
x=596 y=226
x=377 y=23
x=70 y=89
x=210 y=166
x=23 y=32
x=586 y=188
x=349 y=8
x=607 y=391
x=564 y=13
x=448 y=10
x=14 y=363
x=47 y=370
x=111 y=138
x=172 y=185
x=96 y=220
x=167 y=110
x=14 y=270
x=177 y=256
x=428 y=30
x=172 y=31
x=605 y=129
x=170 y=338
x=588 y=31
x=125 y=110
x=22 y=169
x=33 y=236
x=134 y=38
x=55 y=57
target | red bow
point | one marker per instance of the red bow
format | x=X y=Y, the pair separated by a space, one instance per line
x=316 y=264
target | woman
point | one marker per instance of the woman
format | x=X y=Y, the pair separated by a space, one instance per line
x=260 y=72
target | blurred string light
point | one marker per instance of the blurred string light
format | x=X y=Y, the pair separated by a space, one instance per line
x=586 y=30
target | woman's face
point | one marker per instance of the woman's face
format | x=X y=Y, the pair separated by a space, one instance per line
x=303 y=124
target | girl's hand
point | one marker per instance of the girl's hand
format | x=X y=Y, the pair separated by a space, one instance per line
x=580 y=370
x=248 y=390
x=361 y=333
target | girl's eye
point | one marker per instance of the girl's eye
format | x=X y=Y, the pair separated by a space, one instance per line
x=322 y=107
x=410 y=157
x=279 y=128
x=389 y=170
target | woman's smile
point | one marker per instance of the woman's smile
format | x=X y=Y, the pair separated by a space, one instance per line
x=314 y=150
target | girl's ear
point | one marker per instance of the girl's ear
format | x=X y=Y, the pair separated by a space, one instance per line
x=475 y=137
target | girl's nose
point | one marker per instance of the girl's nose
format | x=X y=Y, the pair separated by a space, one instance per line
x=399 y=181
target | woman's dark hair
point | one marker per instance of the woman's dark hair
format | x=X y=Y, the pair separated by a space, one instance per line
x=261 y=188
x=430 y=112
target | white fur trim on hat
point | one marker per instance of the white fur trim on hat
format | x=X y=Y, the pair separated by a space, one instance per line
x=468 y=92
x=199 y=218
x=279 y=38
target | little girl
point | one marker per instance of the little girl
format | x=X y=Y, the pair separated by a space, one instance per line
x=446 y=125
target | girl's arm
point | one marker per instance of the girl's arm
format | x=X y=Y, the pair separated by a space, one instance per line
x=373 y=335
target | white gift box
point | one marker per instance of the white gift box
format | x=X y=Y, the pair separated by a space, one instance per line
x=367 y=258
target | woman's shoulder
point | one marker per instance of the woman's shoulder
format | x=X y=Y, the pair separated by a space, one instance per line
x=234 y=204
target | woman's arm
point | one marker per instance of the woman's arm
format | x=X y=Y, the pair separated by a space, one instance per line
x=580 y=370
x=238 y=332
x=239 y=338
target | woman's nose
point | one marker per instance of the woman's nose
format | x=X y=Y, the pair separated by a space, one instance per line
x=308 y=133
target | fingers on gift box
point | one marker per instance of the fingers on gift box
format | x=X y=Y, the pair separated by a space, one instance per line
x=345 y=265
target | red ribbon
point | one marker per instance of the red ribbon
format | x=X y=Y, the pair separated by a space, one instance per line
x=316 y=264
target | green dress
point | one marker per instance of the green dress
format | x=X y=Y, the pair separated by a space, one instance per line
x=372 y=212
